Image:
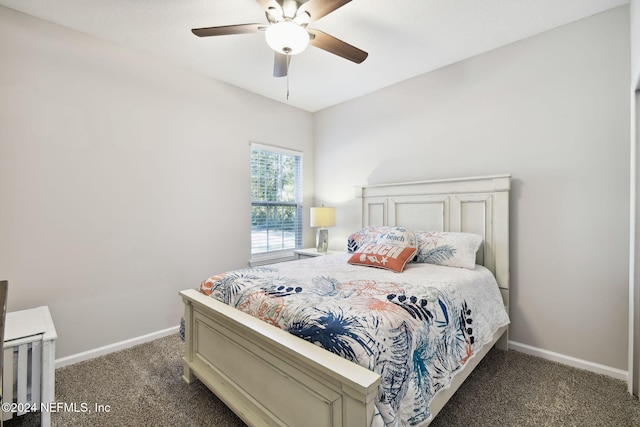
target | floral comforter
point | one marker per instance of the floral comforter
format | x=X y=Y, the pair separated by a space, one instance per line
x=416 y=329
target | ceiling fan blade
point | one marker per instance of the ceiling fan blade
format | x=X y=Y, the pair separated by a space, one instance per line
x=281 y=65
x=336 y=46
x=228 y=30
x=319 y=8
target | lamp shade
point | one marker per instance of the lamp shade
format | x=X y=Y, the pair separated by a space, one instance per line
x=323 y=217
x=287 y=37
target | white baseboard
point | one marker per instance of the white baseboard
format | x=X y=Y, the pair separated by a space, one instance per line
x=101 y=351
x=569 y=360
x=513 y=345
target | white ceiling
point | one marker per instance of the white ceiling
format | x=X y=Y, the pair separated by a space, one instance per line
x=404 y=38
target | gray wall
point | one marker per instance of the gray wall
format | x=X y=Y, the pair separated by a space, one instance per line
x=552 y=110
x=123 y=179
x=634 y=288
x=635 y=42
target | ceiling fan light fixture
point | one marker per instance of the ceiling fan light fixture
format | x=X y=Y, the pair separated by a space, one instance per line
x=287 y=37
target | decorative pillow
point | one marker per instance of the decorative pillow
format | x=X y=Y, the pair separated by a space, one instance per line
x=381 y=235
x=365 y=236
x=448 y=248
x=397 y=236
x=389 y=257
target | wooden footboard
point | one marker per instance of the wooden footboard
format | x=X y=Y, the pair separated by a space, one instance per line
x=268 y=376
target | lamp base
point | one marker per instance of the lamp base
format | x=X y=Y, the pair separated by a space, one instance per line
x=323 y=240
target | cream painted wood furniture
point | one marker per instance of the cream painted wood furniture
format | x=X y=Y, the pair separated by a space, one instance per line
x=4 y=288
x=309 y=253
x=258 y=370
x=29 y=361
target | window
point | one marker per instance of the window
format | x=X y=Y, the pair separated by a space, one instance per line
x=276 y=199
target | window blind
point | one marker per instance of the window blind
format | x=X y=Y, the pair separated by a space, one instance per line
x=276 y=199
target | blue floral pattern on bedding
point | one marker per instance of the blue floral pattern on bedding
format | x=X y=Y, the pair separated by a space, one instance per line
x=415 y=330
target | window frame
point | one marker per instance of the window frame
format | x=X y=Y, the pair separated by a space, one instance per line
x=273 y=255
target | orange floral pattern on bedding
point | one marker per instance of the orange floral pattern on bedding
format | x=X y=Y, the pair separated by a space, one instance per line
x=416 y=330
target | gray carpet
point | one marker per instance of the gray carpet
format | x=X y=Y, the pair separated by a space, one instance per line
x=142 y=386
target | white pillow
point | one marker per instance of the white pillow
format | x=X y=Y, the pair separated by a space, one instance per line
x=381 y=235
x=447 y=248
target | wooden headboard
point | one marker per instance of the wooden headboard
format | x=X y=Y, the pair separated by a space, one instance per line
x=474 y=205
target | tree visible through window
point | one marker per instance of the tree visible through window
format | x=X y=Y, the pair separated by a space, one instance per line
x=276 y=199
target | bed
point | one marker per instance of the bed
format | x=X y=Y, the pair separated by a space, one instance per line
x=269 y=376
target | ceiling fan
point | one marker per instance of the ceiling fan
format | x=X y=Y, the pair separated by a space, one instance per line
x=287 y=33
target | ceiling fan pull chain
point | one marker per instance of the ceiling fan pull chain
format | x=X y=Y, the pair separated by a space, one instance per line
x=288 y=65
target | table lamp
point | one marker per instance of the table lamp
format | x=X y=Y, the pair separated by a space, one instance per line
x=323 y=217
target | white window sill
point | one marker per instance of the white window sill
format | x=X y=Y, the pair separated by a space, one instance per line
x=272 y=258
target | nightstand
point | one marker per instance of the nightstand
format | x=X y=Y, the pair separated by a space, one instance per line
x=310 y=253
x=29 y=362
